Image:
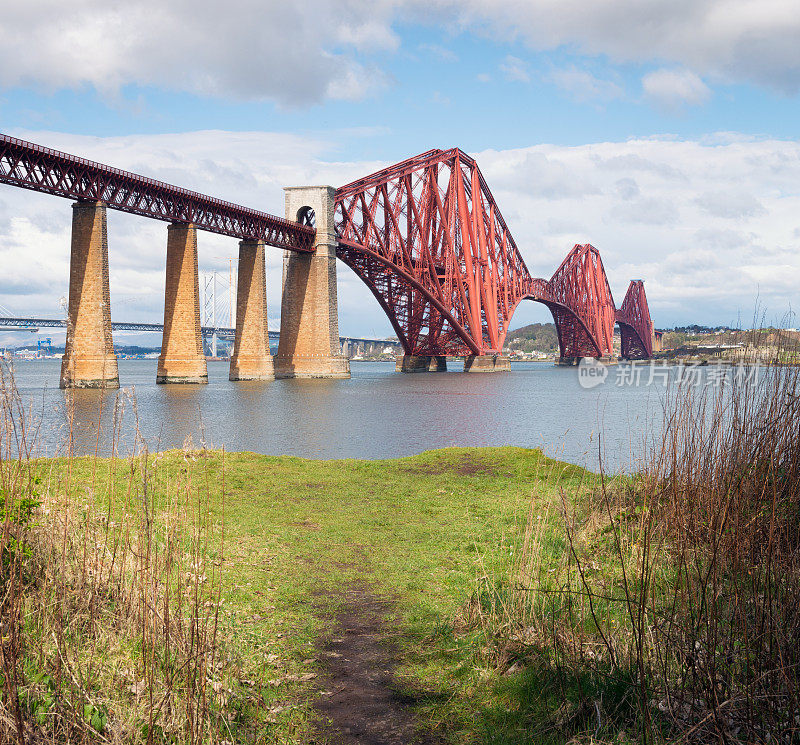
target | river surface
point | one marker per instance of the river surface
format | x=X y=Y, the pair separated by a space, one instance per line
x=377 y=414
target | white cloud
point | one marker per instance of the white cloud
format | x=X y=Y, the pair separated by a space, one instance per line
x=515 y=69
x=673 y=89
x=732 y=204
x=627 y=188
x=645 y=211
x=732 y=40
x=355 y=82
x=300 y=53
x=708 y=225
x=691 y=218
x=293 y=53
x=537 y=173
x=583 y=86
x=366 y=33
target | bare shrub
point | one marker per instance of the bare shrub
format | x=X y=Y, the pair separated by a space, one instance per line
x=672 y=611
x=724 y=621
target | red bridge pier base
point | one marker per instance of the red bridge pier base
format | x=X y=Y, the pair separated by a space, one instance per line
x=182 y=359
x=486 y=363
x=251 y=358
x=309 y=344
x=415 y=363
x=89 y=360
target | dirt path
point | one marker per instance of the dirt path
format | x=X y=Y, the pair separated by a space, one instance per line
x=357 y=703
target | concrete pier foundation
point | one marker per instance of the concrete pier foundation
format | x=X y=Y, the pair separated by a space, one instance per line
x=309 y=343
x=416 y=363
x=89 y=360
x=251 y=358
x=487 y=363
x=182 y=359
x=572 y=361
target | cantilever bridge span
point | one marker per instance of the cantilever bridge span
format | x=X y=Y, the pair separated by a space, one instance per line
x=425 y=235
x=430 y=242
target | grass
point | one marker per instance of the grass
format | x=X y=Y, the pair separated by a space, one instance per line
x=424 y=531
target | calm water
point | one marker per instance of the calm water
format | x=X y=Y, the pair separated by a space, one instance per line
x=376 y=414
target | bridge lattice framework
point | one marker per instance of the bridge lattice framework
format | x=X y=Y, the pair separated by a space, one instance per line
x=425 y=235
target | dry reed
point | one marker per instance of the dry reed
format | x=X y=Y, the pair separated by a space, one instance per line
x=110 y=596
x=672 y=612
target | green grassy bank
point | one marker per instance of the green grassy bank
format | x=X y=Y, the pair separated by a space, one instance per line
x=279 y=540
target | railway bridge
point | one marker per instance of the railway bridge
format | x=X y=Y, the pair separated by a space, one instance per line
x=425 y=235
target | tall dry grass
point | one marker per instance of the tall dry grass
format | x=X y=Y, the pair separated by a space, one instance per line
x=672 y=613
x=109 y=594
x=719 y=599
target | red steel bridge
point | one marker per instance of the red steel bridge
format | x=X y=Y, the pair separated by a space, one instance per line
x=426 y=236
x=428 y=239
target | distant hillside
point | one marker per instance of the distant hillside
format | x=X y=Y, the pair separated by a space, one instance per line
x=536 y=337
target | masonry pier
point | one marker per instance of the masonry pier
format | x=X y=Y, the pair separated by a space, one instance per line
x=309 y=343
x=415 y=363
x=573 y=361
x=182 y=359
x=251 y=358
x=89 y=360
x=486 y=363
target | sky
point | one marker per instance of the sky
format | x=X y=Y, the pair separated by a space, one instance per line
x=663 y=132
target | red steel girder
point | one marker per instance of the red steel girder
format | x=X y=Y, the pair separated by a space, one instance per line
x=425 y=235
x=428 y=239
x=581 y=286
x=635 y=325
x=445 y=250
x=32 y=166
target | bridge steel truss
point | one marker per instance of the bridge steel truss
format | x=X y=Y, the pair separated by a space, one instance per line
x=635 y=324
x=428 y=239
x=425 y=235
x=32 y=166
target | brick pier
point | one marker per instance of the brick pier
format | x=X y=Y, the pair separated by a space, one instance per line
x=89 y=360
x=309 y=343
x=251 y=359
x=182 y=359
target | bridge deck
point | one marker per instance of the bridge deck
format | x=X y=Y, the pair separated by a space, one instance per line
x=32 y=166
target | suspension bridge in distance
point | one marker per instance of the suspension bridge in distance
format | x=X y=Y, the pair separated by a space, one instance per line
x=425 y=235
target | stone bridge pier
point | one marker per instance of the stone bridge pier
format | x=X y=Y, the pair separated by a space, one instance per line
x=89 y=360
x=417 y=363
x=309 y=344
x=485 y=363
x=251 y=358
x=182 y=359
